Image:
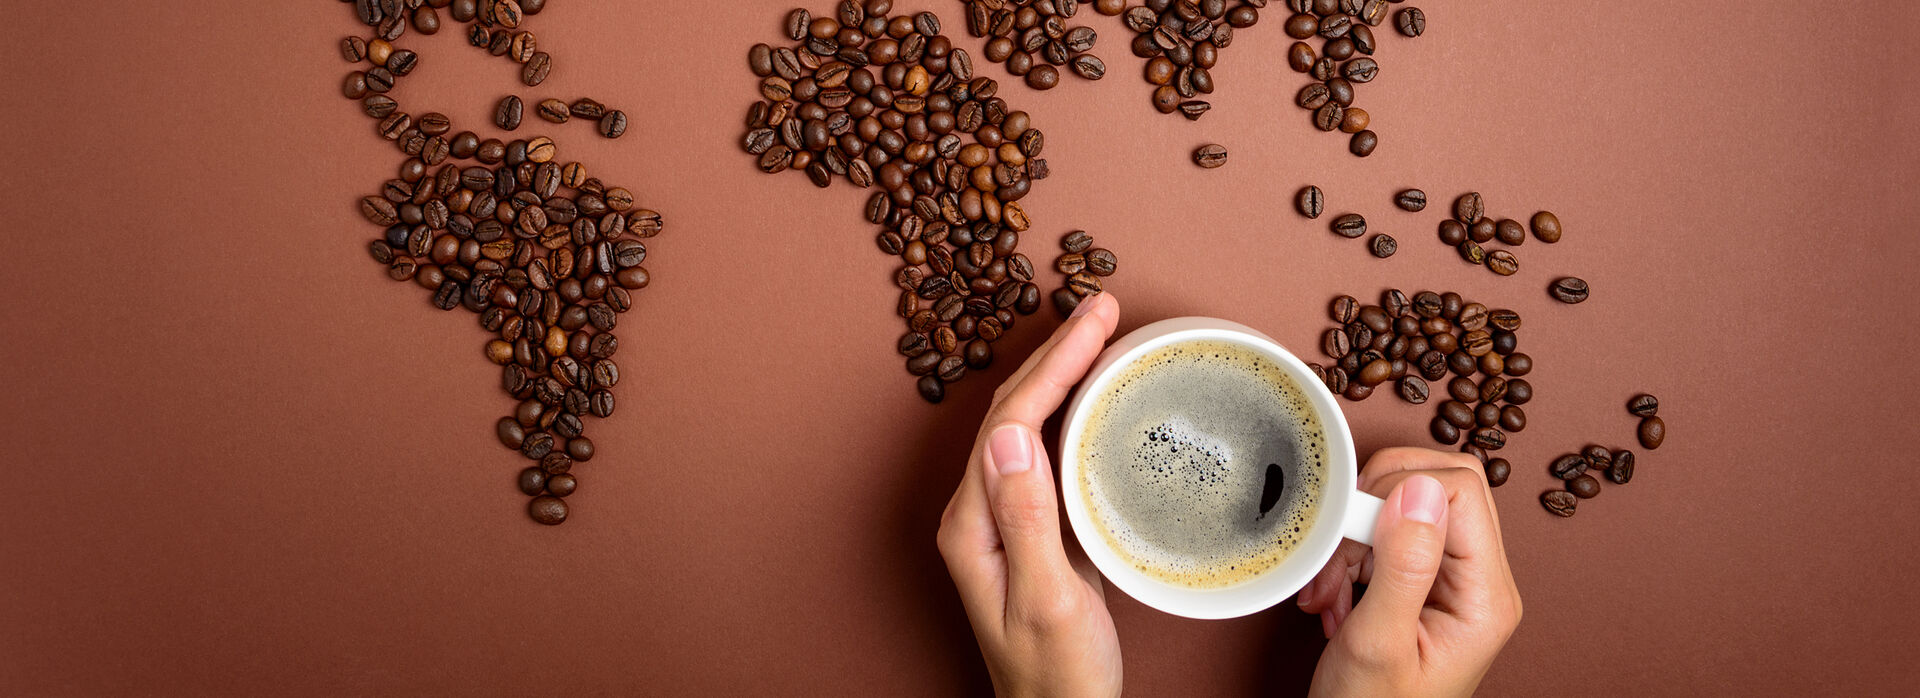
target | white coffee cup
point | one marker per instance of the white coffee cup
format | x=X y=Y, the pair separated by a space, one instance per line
x=1344 y=511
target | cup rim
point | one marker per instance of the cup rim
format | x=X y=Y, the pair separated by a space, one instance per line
x=1265 y=589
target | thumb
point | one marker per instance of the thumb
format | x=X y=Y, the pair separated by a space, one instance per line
x=1020 y=490
x=1408 y=544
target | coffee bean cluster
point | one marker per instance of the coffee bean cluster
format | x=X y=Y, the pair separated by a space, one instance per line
x=546 y=255
x=1084 y=266
x=1471 y=229
x=609 y=123
x=1181 y=42
x=1414 y=342
x=1032 y=39
x=1345 y=59
x=1581 y=472
x=494 y=26
x=889 y=104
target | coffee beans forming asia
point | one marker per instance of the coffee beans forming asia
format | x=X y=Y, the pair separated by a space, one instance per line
x=1031 y=38
x=545 y=254
x=890 y=105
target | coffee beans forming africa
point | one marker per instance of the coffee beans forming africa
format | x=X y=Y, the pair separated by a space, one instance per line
x=1084 y=265
x=546 y=255
x=890 y=104
x=1030 y=37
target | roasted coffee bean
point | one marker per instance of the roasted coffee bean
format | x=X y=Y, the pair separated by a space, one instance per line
x=1411 y=200
x=1383 y=246
x=1481 y=232
x=1597 y=456
x=1065 y=301
x=1210 y=156
x=1077 y=241
x=1469 y=208
x=553 y=110
x=506 y=114
x=1620 y=470
x=1413 y=389
x=1519 y=391
x=1559 y=502
x=1568 y=290
x=1509 y=232
x=1350 y=225
x=1083 y=284
x=1101 y=262
x=1513 y=419
x=952 y=368
x=613 y=124
x=1502 y=319
x=1457 y=413
x=1363 y=143
x=1643 y=405
x=1410 y=21
x=547 y=510
x=1546 y=227
x=1452 y=232
x=1473 y=253
x=931 y=389
x=533 y=480
x=1653 y=432
x=1584 y=487
x=1498 y=469
x=1502 y=262
x=1444 y=431
x=536 y=70
x=1568 y=467
x=1489 y=438
x=1310 y=202
x=1345 y=309
x=1486 y=414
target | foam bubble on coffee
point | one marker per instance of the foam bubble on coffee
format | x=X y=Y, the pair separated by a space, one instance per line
x=1175 y=453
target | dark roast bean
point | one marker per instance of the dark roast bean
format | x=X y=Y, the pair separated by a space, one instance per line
x=1411 y=21
x=507 y=113
x=1413 y=389
x=547 y=510
x=1643 y=405
x=613 y=124
x=1411 y=200
x=1568 y=290
x=1502 y=262
x=931 y=389
x=1546 y=227
x=1653 y=432
x=1469 y=208
x=1559 y=502
x=1383 y=246
x=1210 y=156
x=1310 y=202
x=1101 y=262
x=1444 y=432
x=1350 y=225
x=1568 y=467
x=1620 y=471
x=1584 y=487
x=1497 y=471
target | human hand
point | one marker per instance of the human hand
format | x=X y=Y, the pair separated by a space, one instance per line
x=1440 y=598
x=1037 y=609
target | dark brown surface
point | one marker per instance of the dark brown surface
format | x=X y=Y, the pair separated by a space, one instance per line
x=244 y=461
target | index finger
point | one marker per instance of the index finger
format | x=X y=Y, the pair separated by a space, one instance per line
x=1041 y=384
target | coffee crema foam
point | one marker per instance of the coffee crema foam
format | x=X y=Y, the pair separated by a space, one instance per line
x=1174 y=457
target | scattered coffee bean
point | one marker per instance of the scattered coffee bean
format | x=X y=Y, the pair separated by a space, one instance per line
x=1560 y=502
x=1310 y=202
x=1584 y=487
x=1653 y=432
x=507 y=114
x=1383 y=246
x=1210 y=156
x=1351 y=225
x=1498 y=469
x=1643 y=405
x=1568 y=466
x=1412 y=200
x=1546 y=227
x=1568 y=290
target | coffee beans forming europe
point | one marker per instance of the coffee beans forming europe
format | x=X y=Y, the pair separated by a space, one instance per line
x=1032 y=39
x=889 y=104
x=546 y=255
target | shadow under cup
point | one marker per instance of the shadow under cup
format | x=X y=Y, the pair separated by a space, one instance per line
x=1342 y=511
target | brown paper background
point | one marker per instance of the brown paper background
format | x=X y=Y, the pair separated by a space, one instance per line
x=242 y=461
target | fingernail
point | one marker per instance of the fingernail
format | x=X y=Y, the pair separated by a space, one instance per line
x=1423 y=499
x=1086 y=304
x=1009 y=450
x=1306 y=592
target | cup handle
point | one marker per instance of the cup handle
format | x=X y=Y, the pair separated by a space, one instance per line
x=1363 y=511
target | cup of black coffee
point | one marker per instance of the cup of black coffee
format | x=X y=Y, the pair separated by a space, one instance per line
x=1207 y=472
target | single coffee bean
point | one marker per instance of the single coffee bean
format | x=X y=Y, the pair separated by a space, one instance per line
x=1473 y=253
x=1383 y=246
x=547 y=510
x=1509 y=232
x=562 y=485
x=554 y=110
x=1413 y=389
x=1210 y=156
x=1502 y=262
x=533 y=480
x=1411 y=200
x=1083 y=284
x=1559 y=502
x=1597 y=456
x=1568 y=466
x=1497 y=471
x=1620 y=471
x=1410 y=21
x=1482 y=231
x=1350 y=225
x=536 y=69
x=952 y=368
x=1653 y=432
x=1452 y=232
x=1643 y=405
x=1489 y=438
x=1463 y=389
x=1076 y=241
x=1444 y=432
x=1486 y=414
x=1469 y=208
x=1568 y=290
x=1101 y=262
x=1345 y=309
x=931 y=389
x=1546 y=227
x=1584 y=487
x=1065 y=301
x=613 y=124
x=1363 y=143
x=1519 y=391
x=506 y=115
x=1513 y=419
x=1310 y=202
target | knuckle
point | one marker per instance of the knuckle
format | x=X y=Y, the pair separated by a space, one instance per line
x=1049 y=611
x=1022 y=512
